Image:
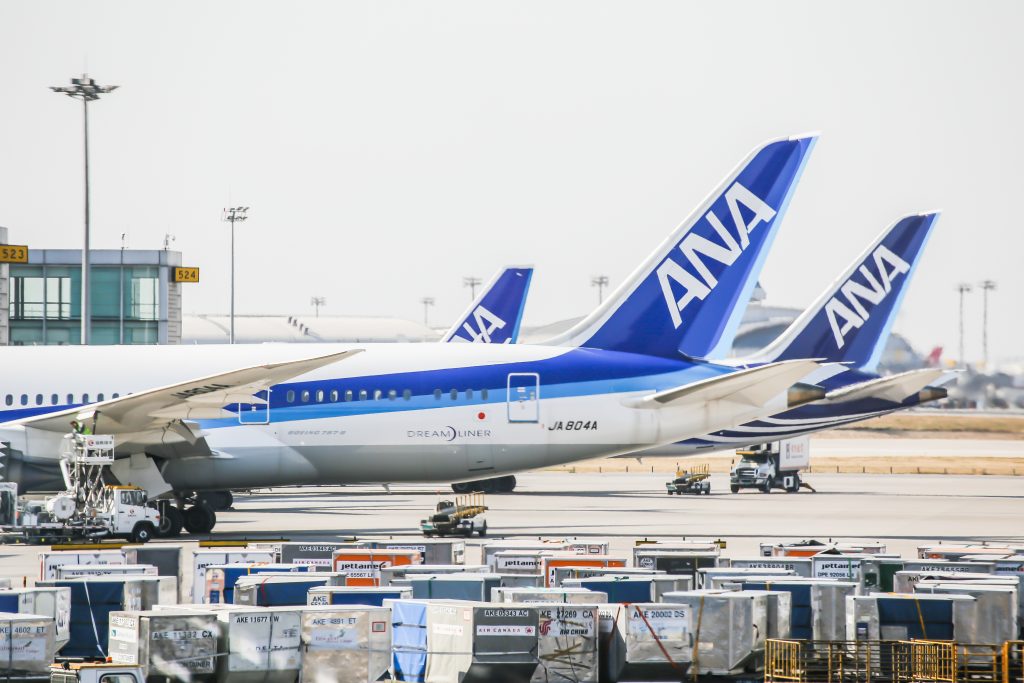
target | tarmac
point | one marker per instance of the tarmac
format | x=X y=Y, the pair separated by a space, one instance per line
x=904 y=511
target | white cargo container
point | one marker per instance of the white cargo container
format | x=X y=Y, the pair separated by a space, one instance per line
x=520 y=561
x=472 y=642
x=53 y=602
x=589 y=546
x=706 y=577
x=432 y=550
x=177 y=644
x=27 y=643
x=900 y=616
x=49 y=560
x=577 y=596
x=732 y=629
x=78 y=571
x=644 y=642
x=491 y=548
x=797 y=566
x=259 y=644
x=403 y=571
x=201 y=559
x=345 y=643
x=997 y=616
x=567 y=643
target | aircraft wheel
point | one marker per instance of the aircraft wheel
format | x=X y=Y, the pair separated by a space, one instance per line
x=200 y=519
x=508 y=484
x=171 y=522
x=218 y=501
x=462 y=487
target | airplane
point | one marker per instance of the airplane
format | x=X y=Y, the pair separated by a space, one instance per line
x=190 y=419
x=846 y=329
x=495 y=314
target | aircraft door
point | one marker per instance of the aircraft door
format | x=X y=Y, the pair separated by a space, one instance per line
x=255 y=413
x=523 y=397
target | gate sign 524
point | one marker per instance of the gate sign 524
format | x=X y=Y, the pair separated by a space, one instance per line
x=13 y=253
x=186 y=274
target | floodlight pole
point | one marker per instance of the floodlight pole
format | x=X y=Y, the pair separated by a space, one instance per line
x=472 y=283
x=427 y=302
x=87 y=90
x=232 y=215
x=599 y=281
x=986 y=287
x=962 y=288
x=317 y=302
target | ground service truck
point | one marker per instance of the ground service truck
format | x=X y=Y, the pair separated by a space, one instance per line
x=774 y=465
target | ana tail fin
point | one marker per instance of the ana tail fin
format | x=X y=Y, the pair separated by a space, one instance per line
x=687 y=298
x=495 y=315
x=851 y=320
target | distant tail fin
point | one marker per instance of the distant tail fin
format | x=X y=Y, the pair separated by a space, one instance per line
x=934 y=358
x=495 y=315
x=850 y=321
x=689 y=295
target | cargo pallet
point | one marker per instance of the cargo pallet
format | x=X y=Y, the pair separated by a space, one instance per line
x=913 y=661
x=457 y=518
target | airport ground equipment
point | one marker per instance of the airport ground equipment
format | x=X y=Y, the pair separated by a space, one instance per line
x=87 y=510
x=96 y=672
x=696 y=480
x=460 y=517
x=774 y=465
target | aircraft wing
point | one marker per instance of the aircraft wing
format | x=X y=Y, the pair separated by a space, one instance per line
x=751 y=386
x=893 y=388
x=204 y=397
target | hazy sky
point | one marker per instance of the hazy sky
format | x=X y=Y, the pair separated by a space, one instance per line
x=389 y=148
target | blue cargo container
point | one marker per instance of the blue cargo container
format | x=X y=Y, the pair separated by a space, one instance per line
x=276 y=591
x=454 y=586
x=409 y=638
x=624 y=589
x=232 y=572
x=92 y=601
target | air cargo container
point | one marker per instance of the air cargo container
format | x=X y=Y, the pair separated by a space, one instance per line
x=706 y=577
x=548 y=563
x=998 y=607
x=390 y=574
x=491 y=548
x=678 y=562
x=221 y=578
x=317 y=555
x=356 y=595
x=27 y=644
x=47 y=602
x=201 y=559
x=281 y=590
x=474 y=587
x=645 y=642
x=431 y=550
x=567 y=643
x=563 y=573
x=180 y=645
x=521 y=561
x=898 y=616
x=812 y=547
x=795 y=566
x=49 y=560
x=588 y=546
x=729 y=629
x=345 y=643
x=949 y=566
x=818 y=607
x=363 y=565
x=92 y=601
x=955 y=553
x=481 y=643
x=79 y=571
x=618 y=589
x=675 y=546
x=409 y=638
x=905 y=581
x=258 y=644
x=564 y=595
x=165 y=557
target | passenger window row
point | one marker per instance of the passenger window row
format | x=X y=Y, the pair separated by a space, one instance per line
x=334 y=396
x=55 y=399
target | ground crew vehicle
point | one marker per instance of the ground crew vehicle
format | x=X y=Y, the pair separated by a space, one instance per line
x=695 y=480
x=768 y=466
x=459 y=517
x=88 y=510
x=86 y=672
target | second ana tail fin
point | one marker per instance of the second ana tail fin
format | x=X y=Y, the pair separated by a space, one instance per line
x=494 y=316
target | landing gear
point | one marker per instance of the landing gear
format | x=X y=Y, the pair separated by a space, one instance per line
x=171 y=520
x=200 y=519
x=218 y=501
x=506 y=484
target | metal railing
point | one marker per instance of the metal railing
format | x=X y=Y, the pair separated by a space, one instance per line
x=916 y=661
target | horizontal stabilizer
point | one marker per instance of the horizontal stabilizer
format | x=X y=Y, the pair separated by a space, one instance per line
x=894 y=388
x=751 y=386
x=195 y=399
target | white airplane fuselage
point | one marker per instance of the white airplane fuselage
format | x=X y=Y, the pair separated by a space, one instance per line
x=392 y=413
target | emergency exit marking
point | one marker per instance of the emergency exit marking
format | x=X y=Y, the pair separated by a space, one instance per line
x=13 y=253
x=186 y=275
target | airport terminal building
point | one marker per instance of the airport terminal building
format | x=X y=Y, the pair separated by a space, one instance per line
x=133 y=297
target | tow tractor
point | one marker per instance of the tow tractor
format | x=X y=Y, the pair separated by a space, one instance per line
x=88 y=510
x=459 y=517
x=696 y=480
x=96 y=672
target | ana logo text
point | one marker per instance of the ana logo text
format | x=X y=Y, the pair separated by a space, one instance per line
x=844 y=317
x=486 y=325
x=700 y=282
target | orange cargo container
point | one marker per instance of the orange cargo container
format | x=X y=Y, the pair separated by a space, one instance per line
x=549 y=562
x=363 y=566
